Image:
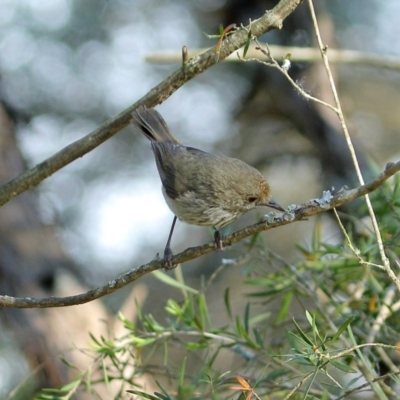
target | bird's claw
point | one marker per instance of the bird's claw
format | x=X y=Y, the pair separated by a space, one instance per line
x=219 y=240
x=167 y=261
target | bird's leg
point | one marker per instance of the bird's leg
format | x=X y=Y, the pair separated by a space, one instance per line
x=218 y=239
x=167 y=262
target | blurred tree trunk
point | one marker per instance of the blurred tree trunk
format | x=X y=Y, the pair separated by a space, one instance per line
x=30 y=256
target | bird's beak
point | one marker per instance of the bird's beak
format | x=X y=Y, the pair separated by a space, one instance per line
x=274 y=204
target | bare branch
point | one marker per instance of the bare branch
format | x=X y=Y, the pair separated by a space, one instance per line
x=298 y=54
x=295 y=213
x=323 y=49
x=274 y=64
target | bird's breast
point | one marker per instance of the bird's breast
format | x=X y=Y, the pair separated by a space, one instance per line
x=196 y=211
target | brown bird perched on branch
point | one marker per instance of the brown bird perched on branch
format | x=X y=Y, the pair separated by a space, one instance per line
x=201 y=188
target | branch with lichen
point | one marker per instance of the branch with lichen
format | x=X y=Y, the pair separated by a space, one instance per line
x=272 y=220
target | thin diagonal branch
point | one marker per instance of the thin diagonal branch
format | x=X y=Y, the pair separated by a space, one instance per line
x=297 y=213
x=271 y=20
x=323 y=49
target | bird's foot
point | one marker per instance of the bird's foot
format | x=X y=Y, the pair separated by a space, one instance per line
x=167 y=261
x=218 y=240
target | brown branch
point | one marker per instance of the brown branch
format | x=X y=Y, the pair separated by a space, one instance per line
x=298 y=54
x=295 y=213
x=271 y=20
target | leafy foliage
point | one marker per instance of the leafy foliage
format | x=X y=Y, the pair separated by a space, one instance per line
x=321 y=342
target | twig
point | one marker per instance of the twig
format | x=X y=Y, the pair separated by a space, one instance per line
x=367 y=384
x=384 y=313
x=355 y=251
x=339 y=355
x=298 y=54
x=274 y=64
x=272 y=19
x=323 y=49
x=295 y=213
x=387 y=360
x=386 y=310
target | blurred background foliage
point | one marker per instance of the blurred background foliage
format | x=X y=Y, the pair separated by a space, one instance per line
x=68 y=65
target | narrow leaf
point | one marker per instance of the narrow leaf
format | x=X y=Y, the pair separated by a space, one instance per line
x=247 y=317
x=283 y=312
x=143 y=394
x=302 y=334
x=342 y=328
x=168 y=280
x=227 y=303
x=247 y=45
x=342 y=367
x=182 y=372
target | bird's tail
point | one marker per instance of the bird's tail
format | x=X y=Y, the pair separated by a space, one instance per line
x=149 y=122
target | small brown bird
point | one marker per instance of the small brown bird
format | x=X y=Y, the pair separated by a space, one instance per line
x=201 y=188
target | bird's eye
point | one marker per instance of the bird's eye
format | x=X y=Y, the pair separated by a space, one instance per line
x=252 y=199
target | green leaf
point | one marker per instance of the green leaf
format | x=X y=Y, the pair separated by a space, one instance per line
x=241 y=331
x=276 y=373
x=240 y=328
x=310 y=318
x=395 y=378
x=311 y=381
x=152 y=324
x=211 y=36
x=196 y=346
x=168 y=280
x=315 y=329
x=302 y=334
x=142 y=342
x=164 y=392
x=253 y=239
x=295 y=343
x=203 y=311
x=283 y=312
x=227 y=303
x=246 y=318
x=174 y=308
x=342 y=328
x=259 y=340
x=127 y=324
x=342 y=367
x=260 y=318
x=333 y=249
x=105 y=374
x=67 y=363
x=95 y=340
x=182 y=372
x=247 y=45
x=144 y=395
x=396 y=189
x=304 y=251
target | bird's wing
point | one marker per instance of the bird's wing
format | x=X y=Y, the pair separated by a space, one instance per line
x=178 y=167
